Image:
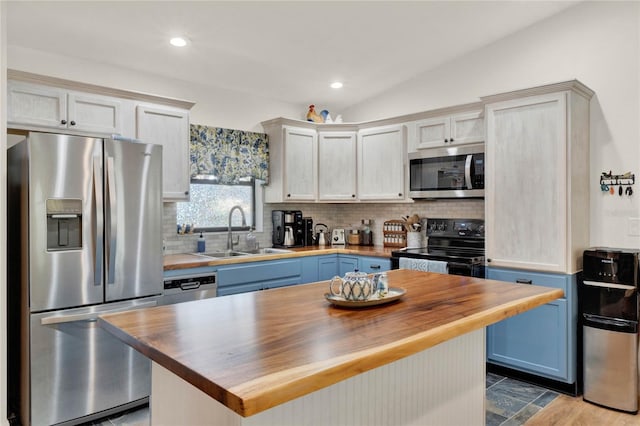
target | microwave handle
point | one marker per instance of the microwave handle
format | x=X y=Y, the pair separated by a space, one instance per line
x=467 y=171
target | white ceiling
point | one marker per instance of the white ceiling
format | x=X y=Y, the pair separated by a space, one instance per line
x=288 y=51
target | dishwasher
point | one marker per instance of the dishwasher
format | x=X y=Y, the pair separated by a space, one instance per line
x=609 y=313
x=188 y=287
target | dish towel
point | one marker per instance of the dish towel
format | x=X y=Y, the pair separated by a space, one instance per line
x=415 y=264
x=423 y=265
x=438 y=266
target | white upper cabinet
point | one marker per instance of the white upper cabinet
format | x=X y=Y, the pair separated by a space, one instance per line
x=33 y=106
x=168 y=127
x=382 y=157
x=337 y=166
x=537 y=180
x=450 y=130
x=300 y=164
x=335 y=163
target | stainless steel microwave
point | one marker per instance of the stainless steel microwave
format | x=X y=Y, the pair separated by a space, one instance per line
x=451 y=172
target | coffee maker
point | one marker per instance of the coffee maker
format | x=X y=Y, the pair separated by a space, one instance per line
x=288 y=229
x=307 y=231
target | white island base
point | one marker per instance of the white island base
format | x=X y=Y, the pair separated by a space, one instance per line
x=443 y=385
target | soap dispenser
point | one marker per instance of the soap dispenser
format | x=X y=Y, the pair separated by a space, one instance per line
x=201 y=243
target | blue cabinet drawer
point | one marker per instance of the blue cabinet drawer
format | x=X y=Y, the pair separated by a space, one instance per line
x=259 y=272
x=535 y=278
x=372 y=265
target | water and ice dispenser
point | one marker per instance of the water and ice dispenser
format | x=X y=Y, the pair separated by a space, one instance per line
x=64 y=224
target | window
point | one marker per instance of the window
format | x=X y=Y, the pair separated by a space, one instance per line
x=210 y=203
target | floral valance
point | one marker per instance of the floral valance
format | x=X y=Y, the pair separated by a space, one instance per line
x=228 y=155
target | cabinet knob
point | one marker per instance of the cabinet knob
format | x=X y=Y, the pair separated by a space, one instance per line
x=451 y=140
x=446 y=140
x=186 y=192
x=399 y=194
x=288 y=195
x=488 y=260
x=353 y=195
x=63 y=121
x=73 y=123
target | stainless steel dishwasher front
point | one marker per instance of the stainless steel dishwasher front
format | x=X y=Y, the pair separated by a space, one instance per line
x=188 y=287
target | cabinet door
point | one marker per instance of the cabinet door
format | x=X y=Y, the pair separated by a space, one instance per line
x=526 y=183
x=433 y=132
x=300 y=164
x=92 y=113
x=381 y=163
x=534 y=341
x=346 y=264
x=29 y=104
x=168 y=127
x=327 y=267
x=467 y=128
x=336 y=166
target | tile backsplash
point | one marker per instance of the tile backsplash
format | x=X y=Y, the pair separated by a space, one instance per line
x=333 y=215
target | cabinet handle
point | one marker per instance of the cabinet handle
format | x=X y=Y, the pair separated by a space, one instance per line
x=63 y=121
x=374 y=266
x=73 y=123
x=523 y=281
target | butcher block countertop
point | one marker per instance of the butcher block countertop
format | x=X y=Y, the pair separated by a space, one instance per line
x=254 y=351
x=193 y=260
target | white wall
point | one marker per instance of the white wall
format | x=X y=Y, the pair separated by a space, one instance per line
x=597 y=43
x=214 y=107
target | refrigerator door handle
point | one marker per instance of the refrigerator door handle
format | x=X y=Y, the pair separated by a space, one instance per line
x=97 y=188
x=113 y=222
x=93 y=316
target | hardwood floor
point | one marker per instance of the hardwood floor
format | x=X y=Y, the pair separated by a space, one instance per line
x=566 y=410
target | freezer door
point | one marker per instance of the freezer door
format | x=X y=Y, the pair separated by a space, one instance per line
x=78 y=369
x=65 y=221
x=133 y=220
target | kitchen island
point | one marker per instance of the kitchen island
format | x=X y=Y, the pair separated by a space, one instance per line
x=287 y=356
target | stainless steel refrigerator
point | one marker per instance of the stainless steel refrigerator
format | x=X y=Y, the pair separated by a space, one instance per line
x=84 y=238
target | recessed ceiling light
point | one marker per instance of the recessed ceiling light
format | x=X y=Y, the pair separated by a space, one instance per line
x=178 y=41
x=336 y=85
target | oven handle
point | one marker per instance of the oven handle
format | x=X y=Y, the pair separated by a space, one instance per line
x=463 y=265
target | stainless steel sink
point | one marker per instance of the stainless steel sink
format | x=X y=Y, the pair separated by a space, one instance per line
x=223 y=254
x=267 y=250
x=246 y=253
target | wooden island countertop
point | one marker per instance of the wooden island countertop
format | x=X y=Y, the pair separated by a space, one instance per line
x=254 y=351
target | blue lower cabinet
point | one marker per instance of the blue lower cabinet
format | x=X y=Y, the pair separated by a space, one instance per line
x=252 y=276
x=541 y=341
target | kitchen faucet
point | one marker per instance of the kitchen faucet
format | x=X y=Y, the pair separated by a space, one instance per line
x=229 y=234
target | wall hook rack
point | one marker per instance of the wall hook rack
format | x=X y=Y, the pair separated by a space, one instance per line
x=611 y=179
